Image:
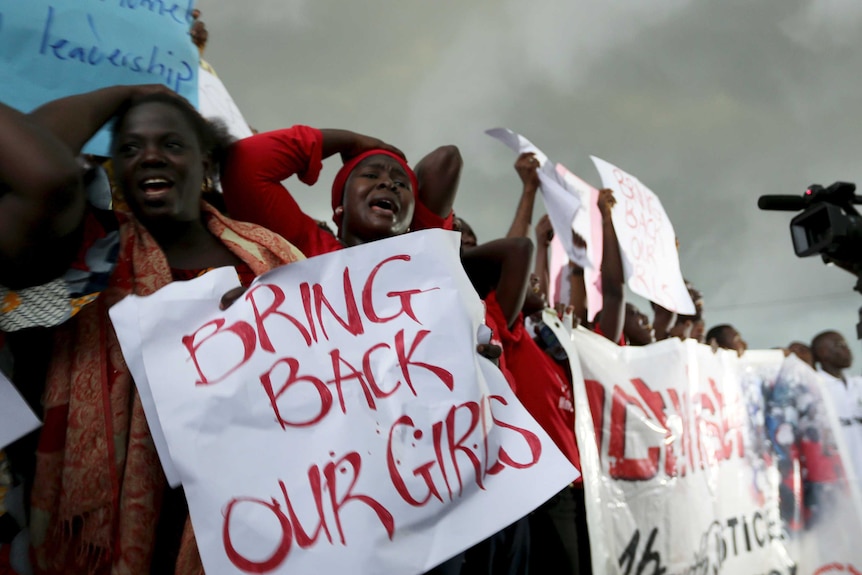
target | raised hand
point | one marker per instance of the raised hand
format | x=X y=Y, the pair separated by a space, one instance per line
x=579 y=240
x=606 y=202
x=544 y=231
x=361 y=143
x=527 y=165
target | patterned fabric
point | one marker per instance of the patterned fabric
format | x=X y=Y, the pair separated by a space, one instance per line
x=53 y=303
x=99 y=486
x=801 y=439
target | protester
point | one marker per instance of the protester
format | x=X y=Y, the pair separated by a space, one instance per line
x=500 y=272
x=468 y=236
x=100 y=502
x=373 y=196
x=637 y=328
x=833 y=356
x=692 y=326
x=98 y=486
x=544 y=387
x=42 y=201
x=802 y=351
x=725 y=336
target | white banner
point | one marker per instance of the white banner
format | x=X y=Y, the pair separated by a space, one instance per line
x=698 y=462
x=647 y=241
x=337 y=417
x=822 y=509
x=675 y=481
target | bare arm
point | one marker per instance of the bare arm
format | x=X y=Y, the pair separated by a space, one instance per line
x=613 y=295
x=526 y=166
x=577 y=287
x=578 y=292
x=502 y=265
x=439 y=173
x=41 y=199
x=75 y=119
x=544 y=235
x=350 y=144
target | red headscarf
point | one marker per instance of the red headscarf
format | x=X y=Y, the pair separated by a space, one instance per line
x=347 y=168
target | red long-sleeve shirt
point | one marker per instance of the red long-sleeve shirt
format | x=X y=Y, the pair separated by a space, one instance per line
x=253 y=192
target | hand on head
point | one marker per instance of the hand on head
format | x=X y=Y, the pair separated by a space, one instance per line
x=362 y=143
x=145 y=90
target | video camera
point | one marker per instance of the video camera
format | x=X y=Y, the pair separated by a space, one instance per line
x=829 y=225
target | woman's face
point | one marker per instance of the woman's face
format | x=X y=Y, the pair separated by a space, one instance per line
x=636 y=326
x=159 y=164
x=378 y=199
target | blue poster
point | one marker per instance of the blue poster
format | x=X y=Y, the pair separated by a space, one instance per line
x=55 y=48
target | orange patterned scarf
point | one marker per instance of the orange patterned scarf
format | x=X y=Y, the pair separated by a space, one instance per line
x=99 y=485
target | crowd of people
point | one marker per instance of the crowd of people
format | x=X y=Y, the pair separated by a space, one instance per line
x=74 y=242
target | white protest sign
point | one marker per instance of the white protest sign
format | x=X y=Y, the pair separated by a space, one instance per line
x=647 y=241
x=16 y=417
x=561 y=200
x=124 y=317
x=679 y=481
x=216 y=103
x=337 y=417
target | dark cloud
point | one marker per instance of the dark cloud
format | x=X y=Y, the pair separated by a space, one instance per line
x=711 y=104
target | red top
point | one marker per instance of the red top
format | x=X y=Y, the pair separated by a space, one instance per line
x=253 y=192
x=491 y=316
x=598 y=329
x=541 y=384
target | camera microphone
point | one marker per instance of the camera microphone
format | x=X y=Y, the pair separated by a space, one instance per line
x=782 y=203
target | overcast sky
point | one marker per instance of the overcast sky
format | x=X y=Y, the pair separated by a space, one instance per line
x=710 y=104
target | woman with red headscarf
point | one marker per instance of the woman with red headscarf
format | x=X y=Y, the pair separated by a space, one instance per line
x=375 y=195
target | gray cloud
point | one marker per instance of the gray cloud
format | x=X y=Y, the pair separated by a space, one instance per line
x=711 y=104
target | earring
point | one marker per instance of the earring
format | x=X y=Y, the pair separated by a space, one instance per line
x=207 y=185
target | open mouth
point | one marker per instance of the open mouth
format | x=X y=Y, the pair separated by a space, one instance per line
x=384 y=205
x=156 y=187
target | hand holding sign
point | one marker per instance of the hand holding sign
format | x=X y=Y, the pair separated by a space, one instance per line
x=53 y=49
x=562 y=201
x=527 y=166
x=362 y=432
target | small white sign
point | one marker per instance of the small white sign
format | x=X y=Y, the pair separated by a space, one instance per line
x=647 y=241
x=16 y=417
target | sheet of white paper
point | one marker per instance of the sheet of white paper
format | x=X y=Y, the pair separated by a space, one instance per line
x=306 y=421
x=562 y=202
x=16 y=417
x=588 y=224
x=126 y=320
x=216 y=102
x=647 y=240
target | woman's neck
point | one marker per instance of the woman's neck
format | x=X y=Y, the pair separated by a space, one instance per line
x=190 y=245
